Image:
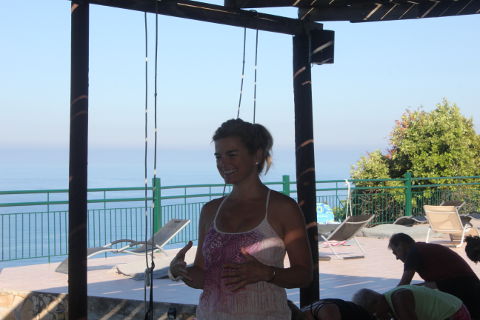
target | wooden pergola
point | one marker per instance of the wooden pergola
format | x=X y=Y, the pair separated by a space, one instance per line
x=311 y=44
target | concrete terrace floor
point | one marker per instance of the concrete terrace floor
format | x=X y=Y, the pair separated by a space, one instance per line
x=338 y=278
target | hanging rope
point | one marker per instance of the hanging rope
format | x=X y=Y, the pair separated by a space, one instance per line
x=146 y=158
x=150 y=246
x=243 y=71
x=149 y=314
x=255 y=81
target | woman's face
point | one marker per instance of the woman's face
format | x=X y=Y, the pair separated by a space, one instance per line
x=234 y=162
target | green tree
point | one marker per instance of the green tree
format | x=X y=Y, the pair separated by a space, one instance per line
x=439 y=143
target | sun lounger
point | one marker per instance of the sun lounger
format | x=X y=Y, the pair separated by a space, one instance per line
x=347 y=231
x=413 y=220
x=156 y=243
x=410 y=220
x=445 y=219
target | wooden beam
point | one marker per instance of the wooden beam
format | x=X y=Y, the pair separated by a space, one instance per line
x=215 y=14
x=268 y=3
x=77 y=194
x=304 y=155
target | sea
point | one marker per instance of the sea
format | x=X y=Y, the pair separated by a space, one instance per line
x=47 y=168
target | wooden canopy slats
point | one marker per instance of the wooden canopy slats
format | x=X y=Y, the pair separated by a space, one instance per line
x=375 y=11
x=216 y=14
x=269 y=3
x=367 y=10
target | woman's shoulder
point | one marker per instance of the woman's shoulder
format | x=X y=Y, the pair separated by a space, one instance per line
x=282 y=200
x=208 y=212
x=210 y=208
x=282 y=206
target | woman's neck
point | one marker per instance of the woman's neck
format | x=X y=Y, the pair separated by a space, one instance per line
x=248 y=190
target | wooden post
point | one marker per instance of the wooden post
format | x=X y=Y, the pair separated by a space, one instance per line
x=305 y=160
x=77 y=195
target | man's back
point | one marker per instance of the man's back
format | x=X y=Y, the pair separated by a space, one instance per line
x=434 y=262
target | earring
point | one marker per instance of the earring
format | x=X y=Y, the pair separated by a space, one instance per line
x=256 y=163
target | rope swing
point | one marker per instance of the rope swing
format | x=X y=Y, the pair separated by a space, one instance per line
x=243 y=75
x=150 y=246
x=243 y=72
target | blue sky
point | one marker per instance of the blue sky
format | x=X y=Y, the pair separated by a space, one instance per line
x=380 y=69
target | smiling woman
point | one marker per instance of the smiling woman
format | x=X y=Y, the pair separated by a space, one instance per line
x=236 y=142
x=244 y=236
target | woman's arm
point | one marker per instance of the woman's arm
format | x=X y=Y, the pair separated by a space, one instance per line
x=193 y=276
x=292 y=224
x=407 y=277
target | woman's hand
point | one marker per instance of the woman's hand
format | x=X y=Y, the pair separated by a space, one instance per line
x=238 y=275
x=178 y=266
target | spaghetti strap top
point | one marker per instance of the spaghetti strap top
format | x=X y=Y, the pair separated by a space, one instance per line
x=257 y=301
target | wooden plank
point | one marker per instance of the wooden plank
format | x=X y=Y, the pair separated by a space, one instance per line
x=215 y=14
x=460 y=7
x=268 y=3
x=78 y=161
x=354 y=13
x=305 y=156
x=384 y=11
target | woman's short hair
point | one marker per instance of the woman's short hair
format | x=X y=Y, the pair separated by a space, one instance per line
x=472 y=248
x=253 y=135
x=400 y=238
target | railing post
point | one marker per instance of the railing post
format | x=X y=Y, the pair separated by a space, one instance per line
x=408 y=193
x=157 y=204
x=286 y=184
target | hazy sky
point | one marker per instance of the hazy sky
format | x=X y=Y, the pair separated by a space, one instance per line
x=380 y=69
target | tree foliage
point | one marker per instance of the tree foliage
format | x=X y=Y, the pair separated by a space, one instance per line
x=440 y=143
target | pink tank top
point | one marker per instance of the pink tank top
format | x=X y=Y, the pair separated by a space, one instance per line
x=257 y=301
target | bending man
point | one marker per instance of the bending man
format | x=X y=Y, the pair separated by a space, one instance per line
x=440 y=267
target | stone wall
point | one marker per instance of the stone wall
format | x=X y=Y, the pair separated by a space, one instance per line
x=16 y=305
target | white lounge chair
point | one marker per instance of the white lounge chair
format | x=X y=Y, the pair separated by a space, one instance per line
x=346 y=231
x=155 y=243
x=445 y=219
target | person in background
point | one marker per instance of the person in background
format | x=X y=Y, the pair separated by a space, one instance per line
x=244 y=236
x=330 y=309
x=440 y=267
x=472 y=248
x=410 y=302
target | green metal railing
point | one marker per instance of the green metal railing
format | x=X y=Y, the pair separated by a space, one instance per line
x=34 y=223
x=389 y=199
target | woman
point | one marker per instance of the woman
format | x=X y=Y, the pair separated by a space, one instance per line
x=243 y=237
